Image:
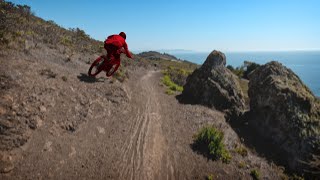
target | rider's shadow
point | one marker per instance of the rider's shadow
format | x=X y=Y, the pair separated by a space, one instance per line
x=88 y=79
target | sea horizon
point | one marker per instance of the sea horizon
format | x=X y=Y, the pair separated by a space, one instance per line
x=177 y=51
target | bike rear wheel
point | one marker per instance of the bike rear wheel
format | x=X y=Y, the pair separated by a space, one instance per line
x=96 y=66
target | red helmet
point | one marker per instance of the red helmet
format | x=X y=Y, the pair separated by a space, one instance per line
x=122 y=34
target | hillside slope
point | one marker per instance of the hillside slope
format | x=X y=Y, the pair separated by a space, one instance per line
x=58 y=123
x=154 y=55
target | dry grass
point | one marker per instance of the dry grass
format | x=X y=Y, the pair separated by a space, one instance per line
x=19 y=24
x=244 y=84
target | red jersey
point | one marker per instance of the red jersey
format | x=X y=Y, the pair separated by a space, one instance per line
x=119 y=42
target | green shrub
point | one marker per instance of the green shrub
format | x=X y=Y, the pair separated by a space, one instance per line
x=19 y=33
x=166 y=80
x=210 y=177
x=169 y=92
x=30 y=32
x=242 y=151
x=3 y=39
x=121 y=75
x=66 y=40
x=64 y=78
x=212 y=139
x=230 y=68
x=171 y=85
x=244 y=70
x=226 y=157
x=296 y=177
x=250 y=67
x=242 y=164
x=177 y=75
x=255 y=174
x=239 y=71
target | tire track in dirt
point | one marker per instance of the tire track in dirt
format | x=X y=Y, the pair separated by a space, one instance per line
x=143 y=151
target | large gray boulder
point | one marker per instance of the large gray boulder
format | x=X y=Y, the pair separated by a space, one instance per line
x=215 y=86
x=285 y=111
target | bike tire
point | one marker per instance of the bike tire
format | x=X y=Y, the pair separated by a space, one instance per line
x=94 y=64
x=111 y=70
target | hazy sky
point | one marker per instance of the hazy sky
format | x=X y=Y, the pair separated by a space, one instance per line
x=202 y=25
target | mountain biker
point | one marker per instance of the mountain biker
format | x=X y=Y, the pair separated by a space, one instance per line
x=115 y=45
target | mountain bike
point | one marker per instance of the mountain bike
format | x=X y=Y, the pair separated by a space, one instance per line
x=102 y=63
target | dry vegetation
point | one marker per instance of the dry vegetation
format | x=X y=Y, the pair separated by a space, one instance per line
x=19 y=26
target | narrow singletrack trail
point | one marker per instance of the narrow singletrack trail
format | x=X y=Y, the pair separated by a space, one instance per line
x=144 y=149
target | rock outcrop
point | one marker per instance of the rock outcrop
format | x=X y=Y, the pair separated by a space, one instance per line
x=285 y=111
x=215 y=86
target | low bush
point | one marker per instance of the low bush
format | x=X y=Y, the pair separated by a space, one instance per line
x=296 y=177
x=169 y=92
x=242 y=151
x=177 y=75
x=244 y=70
x=48 y=72
x=66 y=40
x=255 y=174
x=242 y=165
x=166 y=80
x=210 y=177
x=212 y=139
x=64 y=78
x=121 y=75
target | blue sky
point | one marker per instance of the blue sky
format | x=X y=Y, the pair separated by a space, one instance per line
x=203 y=25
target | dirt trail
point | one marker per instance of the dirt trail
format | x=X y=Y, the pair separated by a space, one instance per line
x=91 y=128
x=142 y=153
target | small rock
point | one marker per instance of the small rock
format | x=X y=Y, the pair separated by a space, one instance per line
x=47 y=146
x=39 y=122
x=101 y=130
x=73 y=151
x=14 y=107
x=6 y=164
x=2 y=111
x=42 y=109
x=19 y=114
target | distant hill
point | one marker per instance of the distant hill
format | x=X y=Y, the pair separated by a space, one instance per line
x=154 y=55
x=176 y=51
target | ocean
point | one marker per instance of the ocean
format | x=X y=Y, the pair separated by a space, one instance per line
x=306 y=64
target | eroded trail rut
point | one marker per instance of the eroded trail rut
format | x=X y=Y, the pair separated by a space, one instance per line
x=143 y=151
